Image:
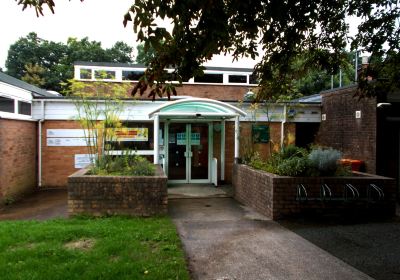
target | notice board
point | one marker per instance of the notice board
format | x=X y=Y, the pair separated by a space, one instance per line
x=260 y=133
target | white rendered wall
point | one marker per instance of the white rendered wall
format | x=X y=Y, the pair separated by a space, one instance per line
x=64 y=109
x=17 y=94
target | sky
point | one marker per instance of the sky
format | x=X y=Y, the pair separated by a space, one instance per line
x=100 y=20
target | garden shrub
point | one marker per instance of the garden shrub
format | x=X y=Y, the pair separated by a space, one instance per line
x=295 y=161
x=294 y=166
x=292 y=151
x=127 y=164
x=325 y=161
x=290 y=161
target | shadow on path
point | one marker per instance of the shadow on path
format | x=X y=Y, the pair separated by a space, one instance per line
x=371 y=247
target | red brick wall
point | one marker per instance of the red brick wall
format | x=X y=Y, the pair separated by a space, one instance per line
x=58 y=162
x=18 y=161
x=356 y=138
x=218 y=92
x=112 y=195
x=275 y=196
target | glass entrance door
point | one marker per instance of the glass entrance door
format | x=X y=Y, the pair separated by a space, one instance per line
x=199 y=151
x=189 y=153
x=177 y=145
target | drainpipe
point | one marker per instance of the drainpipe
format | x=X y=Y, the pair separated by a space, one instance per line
x=237 y=135
x=283 y=125
x=40 y=146
x=156 y=128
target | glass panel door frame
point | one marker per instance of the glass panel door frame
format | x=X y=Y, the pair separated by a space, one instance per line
x=187 y=125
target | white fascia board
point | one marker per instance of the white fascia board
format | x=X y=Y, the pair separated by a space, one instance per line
x=13 y=116
x=65 y=109
x=14 y=92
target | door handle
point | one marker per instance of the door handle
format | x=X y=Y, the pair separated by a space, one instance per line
x=188 y=154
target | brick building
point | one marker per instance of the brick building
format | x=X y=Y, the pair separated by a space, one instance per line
x=199 y=134
x=18 y=138
x=366 y=129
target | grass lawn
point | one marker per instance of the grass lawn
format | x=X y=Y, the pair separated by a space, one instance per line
x=84 y=248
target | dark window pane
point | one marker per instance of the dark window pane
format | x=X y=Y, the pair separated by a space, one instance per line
x=104 y=74
x=6 y=104
x=24 y=108
x=210 y=78
x=173 y=77
x=85 y=74
x=242 y=79
x=132 y=75
x=253 y=79
x=170 y=76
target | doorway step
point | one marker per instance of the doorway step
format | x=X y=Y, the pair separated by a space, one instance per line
x=198 y=191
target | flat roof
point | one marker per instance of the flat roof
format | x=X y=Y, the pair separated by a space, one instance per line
x=133 y=65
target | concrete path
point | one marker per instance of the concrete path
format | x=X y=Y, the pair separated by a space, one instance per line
x=40 y=205
x=198 y=191
x=224 y=240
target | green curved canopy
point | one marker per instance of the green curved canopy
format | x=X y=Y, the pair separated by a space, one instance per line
x=194 y=107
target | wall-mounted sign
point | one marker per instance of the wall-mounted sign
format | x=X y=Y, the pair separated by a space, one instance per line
x=132 y=134
x=83 y=160
x=181 y=138
x=66 y=133
x=260 y=133
x=66 y=142
x=195 y=139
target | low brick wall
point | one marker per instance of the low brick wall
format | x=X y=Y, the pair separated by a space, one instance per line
x=276 y=196
x=117 y=195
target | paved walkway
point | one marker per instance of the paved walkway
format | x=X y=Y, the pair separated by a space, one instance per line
x=41 y=205
x=224 y=240
x=198 y=191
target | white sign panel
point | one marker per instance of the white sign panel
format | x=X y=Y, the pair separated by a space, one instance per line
x=65 y=133
x=83 y=160
x=66 y=142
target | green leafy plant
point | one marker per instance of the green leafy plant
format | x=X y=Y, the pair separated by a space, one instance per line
x=290 y=161
x=98 y=114
x=295 y=161
x=294 y=166
x=127 y=164
x=292 y=151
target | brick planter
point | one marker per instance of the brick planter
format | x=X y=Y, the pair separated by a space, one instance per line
x=122 y=195
x=276 y=196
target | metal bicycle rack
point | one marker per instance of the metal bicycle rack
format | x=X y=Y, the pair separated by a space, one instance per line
x=372 y=188
x=350 y=193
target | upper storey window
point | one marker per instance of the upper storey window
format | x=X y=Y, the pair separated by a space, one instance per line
x=104 y=75
x=131 y=75
x=24 y=108
x=7 y=105
x=238 y=79
x=210 y=78
x=85 y=74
